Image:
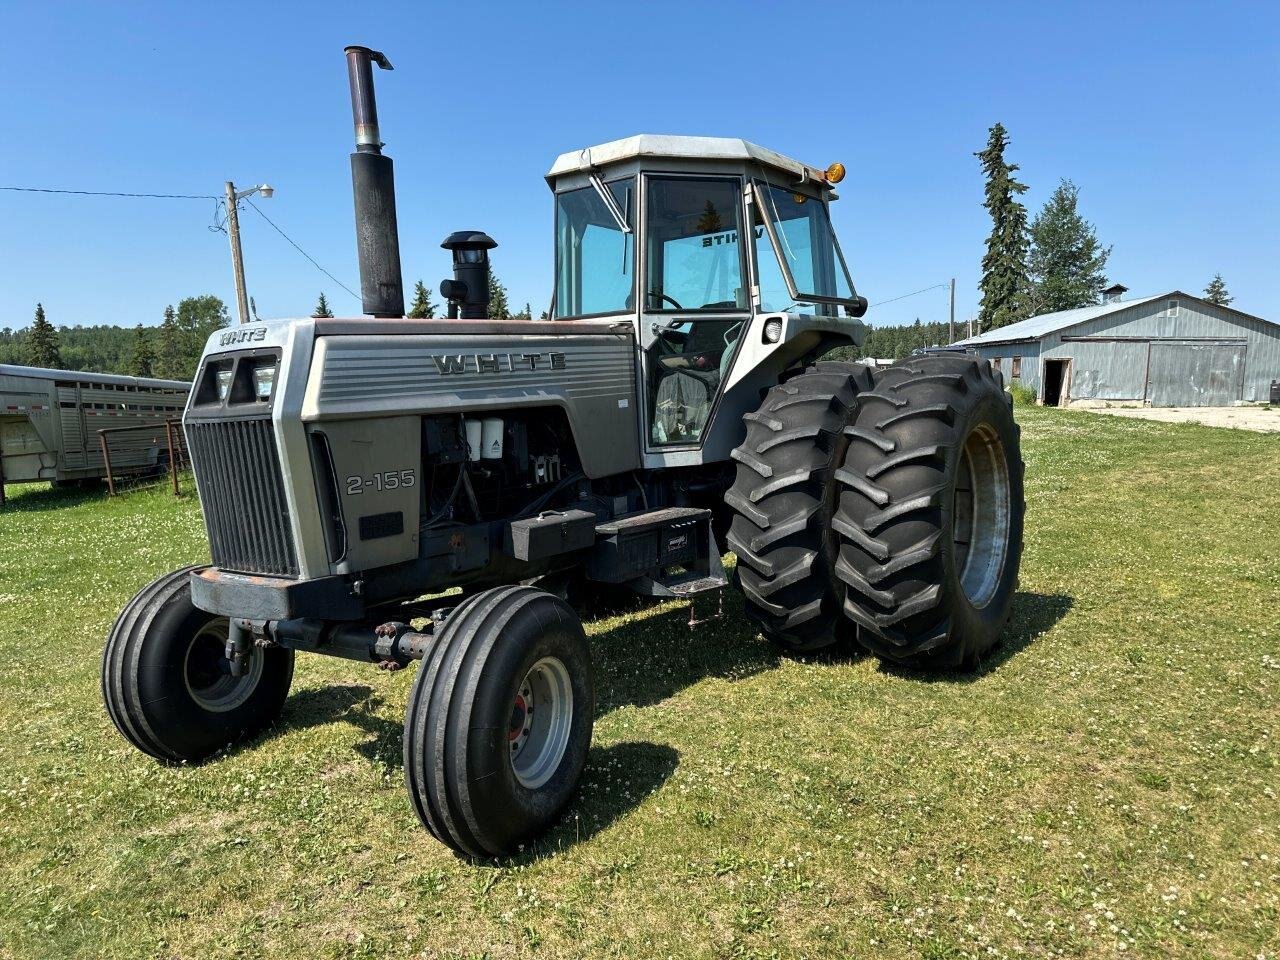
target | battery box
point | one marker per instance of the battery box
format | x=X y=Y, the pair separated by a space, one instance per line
x=648 y=542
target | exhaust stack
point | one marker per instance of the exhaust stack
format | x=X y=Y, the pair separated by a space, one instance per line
x=373 y=184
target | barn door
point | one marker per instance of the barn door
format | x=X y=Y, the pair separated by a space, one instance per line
x=1196 y=374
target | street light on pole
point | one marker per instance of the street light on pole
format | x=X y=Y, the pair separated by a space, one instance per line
x=233 y=231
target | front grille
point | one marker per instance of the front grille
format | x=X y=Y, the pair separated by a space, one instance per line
x=242 y=491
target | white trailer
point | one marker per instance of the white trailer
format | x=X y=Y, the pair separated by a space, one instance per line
x=49 y=423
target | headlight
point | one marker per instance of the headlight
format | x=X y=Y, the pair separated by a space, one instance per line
x=224 y=383
x=773 y=330
x=264 y=379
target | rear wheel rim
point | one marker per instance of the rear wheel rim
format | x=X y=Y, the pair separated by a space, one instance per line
x=207 y=671
x=981 y=515
x=541 y=718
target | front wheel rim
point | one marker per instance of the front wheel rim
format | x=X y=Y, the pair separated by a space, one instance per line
x=981 y=515
x=540 y=724
x=207 y=671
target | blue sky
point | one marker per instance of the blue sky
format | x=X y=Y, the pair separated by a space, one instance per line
x=1164 y=115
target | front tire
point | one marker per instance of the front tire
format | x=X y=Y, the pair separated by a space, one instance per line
x=499 y=721
x=931 y=512
x=167 y=684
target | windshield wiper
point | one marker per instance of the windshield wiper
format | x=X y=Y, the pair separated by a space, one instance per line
x=610 y=204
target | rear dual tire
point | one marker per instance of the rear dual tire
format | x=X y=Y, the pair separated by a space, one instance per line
x=887 y=507
x=930 y=512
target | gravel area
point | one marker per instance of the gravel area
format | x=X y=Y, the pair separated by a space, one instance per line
x=1260 y=419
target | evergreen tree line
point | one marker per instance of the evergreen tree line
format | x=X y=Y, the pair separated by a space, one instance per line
x=170 y=351
x=1055 y=262
x=423 y=307
x=898 y=341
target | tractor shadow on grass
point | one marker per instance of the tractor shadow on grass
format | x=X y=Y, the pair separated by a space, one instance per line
x=646 y=658
x=652 y=654
x=1032 y=616
x=617 y=778
x=351 y=703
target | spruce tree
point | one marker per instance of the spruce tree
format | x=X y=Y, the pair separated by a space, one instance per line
x=42 y=342
x=322 y=310
x=169 y=359
x=142 y=362
x=1216 y=291
x=422 y=308
x=1004 y=267
x=1066 y=264
x=499 y=308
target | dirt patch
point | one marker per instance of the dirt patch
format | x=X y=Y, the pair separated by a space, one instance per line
x=1260 y=419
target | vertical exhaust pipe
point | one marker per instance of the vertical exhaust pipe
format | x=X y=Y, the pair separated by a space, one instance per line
x=373 y=184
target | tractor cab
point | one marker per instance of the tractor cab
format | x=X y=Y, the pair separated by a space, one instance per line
x=711 y=247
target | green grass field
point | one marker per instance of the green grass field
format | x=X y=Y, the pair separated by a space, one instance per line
x=1105 y=786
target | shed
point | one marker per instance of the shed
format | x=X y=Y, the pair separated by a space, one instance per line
x=1171 y=350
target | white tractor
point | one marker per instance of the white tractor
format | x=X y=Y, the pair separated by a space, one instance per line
x=352 y=471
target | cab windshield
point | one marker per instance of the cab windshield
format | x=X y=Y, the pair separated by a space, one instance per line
x=594 y=255
x=804 y=249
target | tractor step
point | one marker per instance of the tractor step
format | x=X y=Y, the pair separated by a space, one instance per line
x=691 y=585
x=695 y=587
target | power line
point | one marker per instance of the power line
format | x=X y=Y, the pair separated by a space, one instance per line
x=188 y=196
x=310 y=259
x=936 y=286
x=112 y=193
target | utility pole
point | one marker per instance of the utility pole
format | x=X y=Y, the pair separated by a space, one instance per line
x=233 y=231
x=951 y=325
x=237 y=258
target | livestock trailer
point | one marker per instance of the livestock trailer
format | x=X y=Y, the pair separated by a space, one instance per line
x=49 y=423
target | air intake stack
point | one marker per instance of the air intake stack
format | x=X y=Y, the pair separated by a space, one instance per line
x=373 y=184
x=468 y=291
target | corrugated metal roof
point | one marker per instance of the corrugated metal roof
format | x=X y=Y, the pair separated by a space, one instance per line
x=1033 y=328
x=44 y=373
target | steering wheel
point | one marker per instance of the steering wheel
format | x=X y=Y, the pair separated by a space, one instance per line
x=662 y=296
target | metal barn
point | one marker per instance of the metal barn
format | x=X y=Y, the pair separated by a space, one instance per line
x=1172 y=350
x=49 y=422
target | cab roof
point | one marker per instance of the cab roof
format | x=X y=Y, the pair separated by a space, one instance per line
x=676 y=147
